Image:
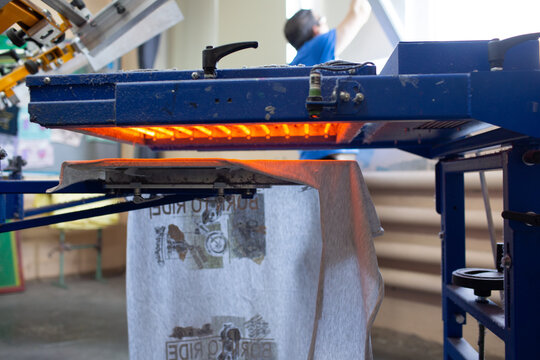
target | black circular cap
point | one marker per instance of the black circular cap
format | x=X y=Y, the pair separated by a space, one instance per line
x=483 y=281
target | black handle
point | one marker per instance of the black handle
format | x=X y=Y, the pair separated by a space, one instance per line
x=527 y=218
x=79 y=4
x=211 y=55
x=497 y=48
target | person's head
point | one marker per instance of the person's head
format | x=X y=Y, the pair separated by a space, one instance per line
x=304 y=26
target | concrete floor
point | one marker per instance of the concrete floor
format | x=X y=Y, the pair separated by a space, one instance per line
x=88 y=321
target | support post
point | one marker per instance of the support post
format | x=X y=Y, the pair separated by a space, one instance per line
x=522 y=251
x=451 y=190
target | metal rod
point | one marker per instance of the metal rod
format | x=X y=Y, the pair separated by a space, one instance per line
x=104 y=210
x=489 y=218
x=489 y=215
x=46 y=209
x=99 y=275
x=61 y=280
x=481 y=338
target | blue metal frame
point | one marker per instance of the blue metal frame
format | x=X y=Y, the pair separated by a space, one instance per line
x=437 y=100
x=516 y=323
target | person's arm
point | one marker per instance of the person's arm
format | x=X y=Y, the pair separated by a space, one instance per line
x=356 y=17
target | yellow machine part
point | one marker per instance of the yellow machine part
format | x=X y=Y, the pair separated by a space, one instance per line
x=56 y=56
x=19 y=12
x=25 y=14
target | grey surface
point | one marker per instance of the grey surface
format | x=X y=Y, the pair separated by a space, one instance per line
x=88 y=321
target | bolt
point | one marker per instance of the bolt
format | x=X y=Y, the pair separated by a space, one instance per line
x=47 y=80
x=506 y=261
x=358 y=98
x=344 y=96
x=481 y=300
x=460 y=319
x=352 y=71
x=195 y=75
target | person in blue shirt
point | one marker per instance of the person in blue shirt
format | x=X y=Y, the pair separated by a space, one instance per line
x=316 y=43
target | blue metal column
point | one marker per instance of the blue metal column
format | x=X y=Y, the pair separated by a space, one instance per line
x=522 y=256
x=451 y=205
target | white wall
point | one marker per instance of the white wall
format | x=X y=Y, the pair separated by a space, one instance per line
x=214 y=22
x=370 y=43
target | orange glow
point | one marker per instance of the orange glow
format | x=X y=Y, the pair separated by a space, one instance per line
x=203 y=130
x=245 y=129
x=145 y=131
x=224 y=129
x=286 y=131
x=163 y=131
x=183 y=130
x=266 y=131
x=161 y=135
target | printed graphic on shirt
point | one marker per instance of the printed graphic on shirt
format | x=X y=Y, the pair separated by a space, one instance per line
x=225 y=338
x=205 y=233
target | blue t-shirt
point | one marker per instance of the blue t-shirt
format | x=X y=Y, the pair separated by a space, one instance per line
x=318 y=50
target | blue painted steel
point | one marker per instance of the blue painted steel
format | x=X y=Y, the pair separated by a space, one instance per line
x=452 y=192
x=104 y=210
x=466 y=144
x=459 y=349
x=510 y=99
x=41 y=187
x=246 y=100
x=522 y=245
x=490 y=315
x=456 y=57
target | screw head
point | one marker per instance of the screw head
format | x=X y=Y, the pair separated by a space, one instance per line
x=344 y=96
x=47 y=80
x=506 y=261
x=358 y=98
x=195 y=75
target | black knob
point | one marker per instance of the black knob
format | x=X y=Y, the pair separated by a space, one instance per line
x=31 y=66
x=16 y=37
x=497 y=48
x=211 y=55
x=79 y=4
x=483 y=281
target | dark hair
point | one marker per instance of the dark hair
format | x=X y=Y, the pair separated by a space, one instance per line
x=299 y=28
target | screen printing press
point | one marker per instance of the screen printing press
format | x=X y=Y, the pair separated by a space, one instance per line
x=474 y=106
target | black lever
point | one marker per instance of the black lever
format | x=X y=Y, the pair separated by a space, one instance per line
x=532 y=157
x=497 y=48
x=79 y=4
x=211 y=55
x=531 y=219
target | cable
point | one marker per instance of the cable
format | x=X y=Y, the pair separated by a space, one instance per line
x=341 y=65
